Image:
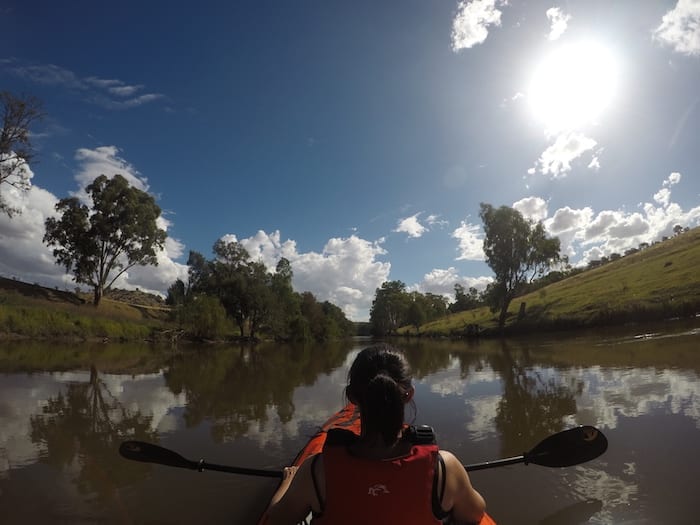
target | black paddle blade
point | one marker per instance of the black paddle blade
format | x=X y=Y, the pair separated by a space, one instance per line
x=570 y=447
x=149 y=453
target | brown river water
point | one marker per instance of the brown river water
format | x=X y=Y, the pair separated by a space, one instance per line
x=64 y=410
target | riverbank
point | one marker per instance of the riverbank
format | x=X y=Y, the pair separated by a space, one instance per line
x=30 y=311
x=657 y=283
x=654 y=284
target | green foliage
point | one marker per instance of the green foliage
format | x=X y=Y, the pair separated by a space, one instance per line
x=394 y=307
x=17 y=114
x=389 y=307
x=464 y=300
x=100 y=243
x=176 y=293
x=203 y=317
x=657 y=282
x=517 y=252
x=261 y=302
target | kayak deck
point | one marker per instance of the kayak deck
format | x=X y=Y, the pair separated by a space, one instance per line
x=347 y=418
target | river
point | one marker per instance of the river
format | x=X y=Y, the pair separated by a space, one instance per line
x=65 y=409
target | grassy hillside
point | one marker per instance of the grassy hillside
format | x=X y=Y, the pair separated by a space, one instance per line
x=30 y=310
x=659 y=282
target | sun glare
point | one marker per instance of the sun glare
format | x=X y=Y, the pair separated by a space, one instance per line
x=573 y=85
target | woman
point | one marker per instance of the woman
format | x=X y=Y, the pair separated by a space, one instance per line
x=388 y=474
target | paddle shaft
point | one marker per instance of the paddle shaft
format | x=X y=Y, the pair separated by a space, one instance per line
x=563 y=449
x=495 y=463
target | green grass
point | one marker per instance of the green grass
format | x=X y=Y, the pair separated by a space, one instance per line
x=660 y=282
x=32 y=315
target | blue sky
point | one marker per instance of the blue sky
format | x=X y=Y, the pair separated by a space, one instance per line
x=357 y=139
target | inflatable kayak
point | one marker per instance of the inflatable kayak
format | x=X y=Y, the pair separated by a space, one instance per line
x=349 y=419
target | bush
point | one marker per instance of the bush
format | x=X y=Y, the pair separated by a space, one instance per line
x=203 y=317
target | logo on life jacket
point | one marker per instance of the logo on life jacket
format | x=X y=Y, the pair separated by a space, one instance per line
x=376 y=490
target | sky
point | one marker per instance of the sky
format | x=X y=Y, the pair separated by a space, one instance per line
x=358 y=139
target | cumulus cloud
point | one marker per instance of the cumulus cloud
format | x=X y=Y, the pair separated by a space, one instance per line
x=558 y=21
x=566 y=219
x=534 y=208
x=471 y=24
x=471 y=244
x=615 y=231
x=663 y=196
x=108 y=93
x=26 y=257
x=411 y=226
x=673 y=178
x=104 y=160
x=442 y=281
x=556 y=159
x=346 y=272
x=680 y=28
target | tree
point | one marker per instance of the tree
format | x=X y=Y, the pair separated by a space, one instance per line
x=416 y=315
x=17 y=114
x=517 y=251
x=177 y=293
x=464 y=301
x=100 y=243
x=388 y=311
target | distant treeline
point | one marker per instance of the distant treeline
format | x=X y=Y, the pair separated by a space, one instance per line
x=231 y=288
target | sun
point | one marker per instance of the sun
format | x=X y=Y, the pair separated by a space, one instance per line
x=573 y=86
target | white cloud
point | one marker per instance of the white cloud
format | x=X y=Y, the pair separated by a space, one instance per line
x=124 y=91
x=566 y=219
x=104 y=160
x=411 y=226
x=471 y=24
x=442 y=282
x=95 y=90
x=345 y=273
x=25 y=256
x=663 y=196
x=471 y=244
x=556 y=159
x=673 y=178
x=534 y=208
x=559 y=22
x=680 y=28
x=594 y=164
x=433 y=220
x=614 y=231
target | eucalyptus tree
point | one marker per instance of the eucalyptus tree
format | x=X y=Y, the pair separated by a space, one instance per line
x=389 y=308
x=517 y=251
x=98 y=243
x=17 y=114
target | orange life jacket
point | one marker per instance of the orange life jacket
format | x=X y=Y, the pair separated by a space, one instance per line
x=367 y=491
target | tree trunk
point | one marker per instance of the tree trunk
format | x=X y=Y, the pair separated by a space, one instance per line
x=98 y=295
x=502 y=315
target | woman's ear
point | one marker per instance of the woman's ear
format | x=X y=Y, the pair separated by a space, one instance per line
x=409 y=395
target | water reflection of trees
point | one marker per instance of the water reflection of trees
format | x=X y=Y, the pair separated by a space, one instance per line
x=426 y=358
x=234 y=387
x=80 y=429
x=532 y=406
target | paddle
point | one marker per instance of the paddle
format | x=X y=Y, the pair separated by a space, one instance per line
x=563 y=449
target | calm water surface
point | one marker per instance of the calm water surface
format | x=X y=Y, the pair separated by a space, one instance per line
x=64 y=411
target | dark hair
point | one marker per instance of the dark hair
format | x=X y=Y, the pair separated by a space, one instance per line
x=379 y=381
